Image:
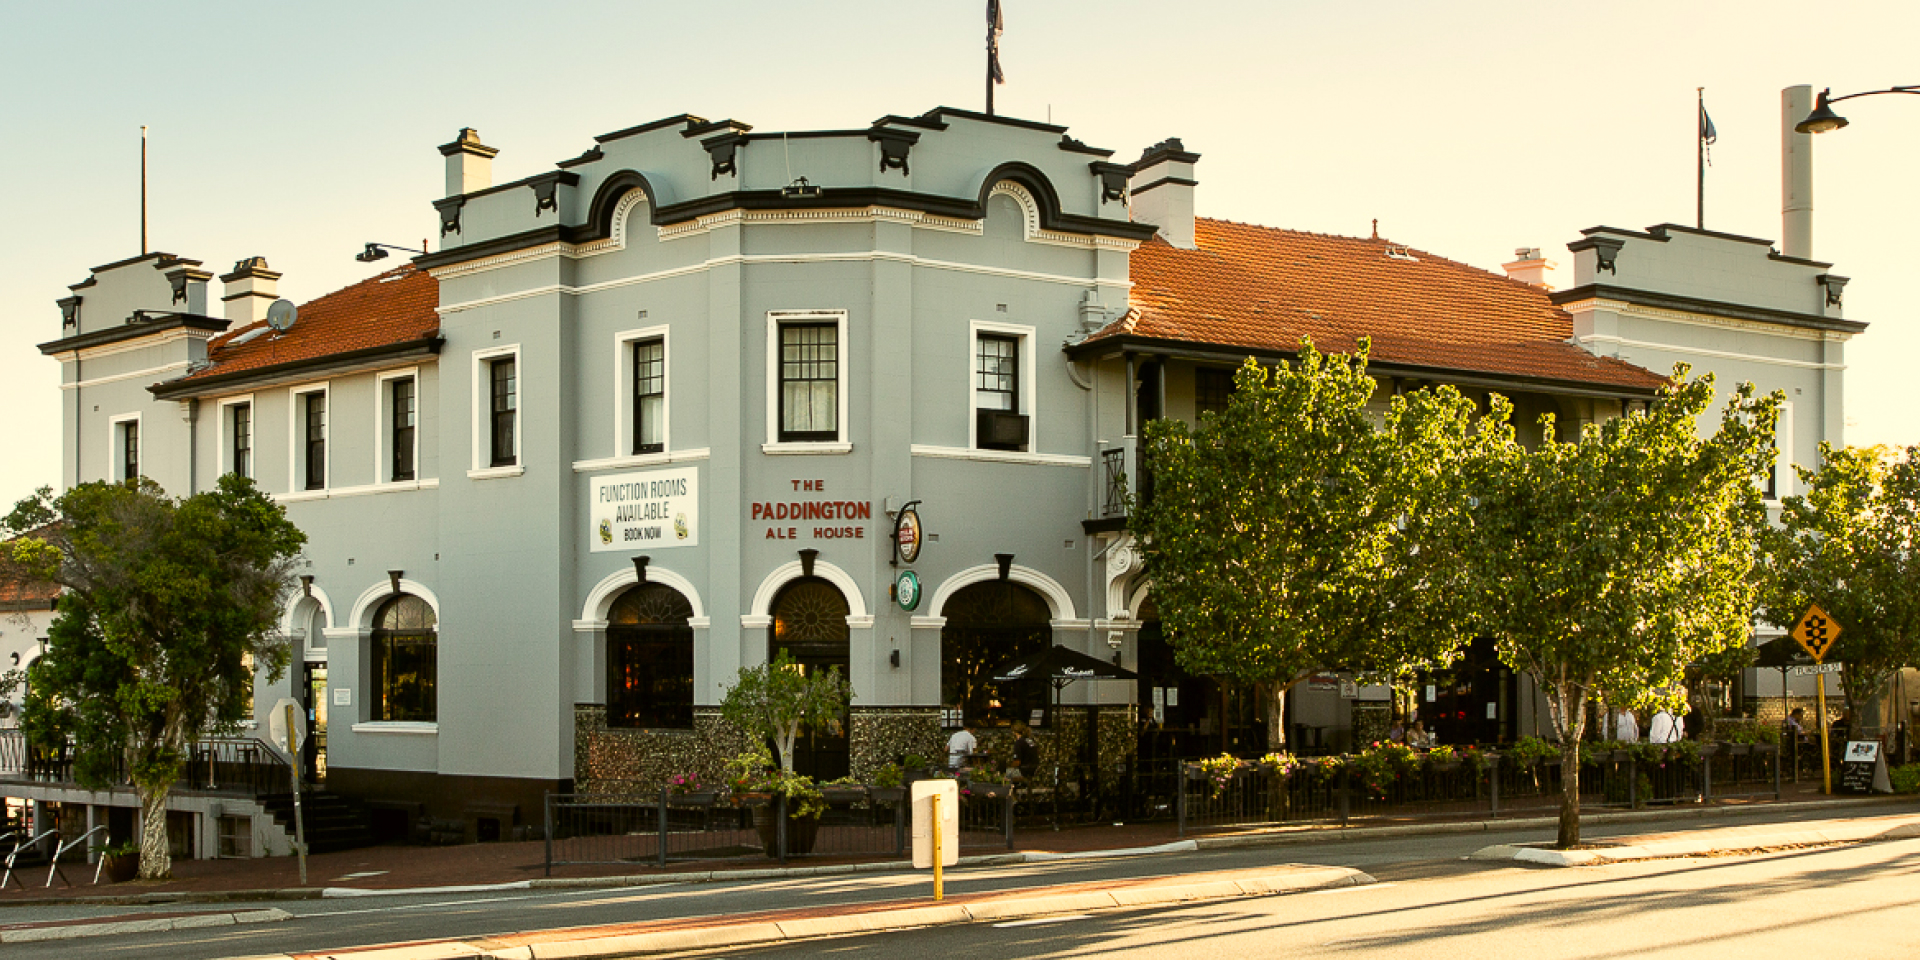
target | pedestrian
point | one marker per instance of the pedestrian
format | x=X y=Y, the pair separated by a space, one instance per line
x=1796 y=724
x=1626 y=727
x=1026 y=753
x=961 y=745
x=1398 y=732
x=1663 y=728
x=1418 y=737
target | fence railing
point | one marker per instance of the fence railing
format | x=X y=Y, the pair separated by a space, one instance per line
x=670 y=827
x=222 y=764
x=1342 y=791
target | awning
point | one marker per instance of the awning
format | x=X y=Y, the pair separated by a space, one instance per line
x=1061 y=666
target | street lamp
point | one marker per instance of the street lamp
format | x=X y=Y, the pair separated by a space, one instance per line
x=378 y=251
x=1823 y=119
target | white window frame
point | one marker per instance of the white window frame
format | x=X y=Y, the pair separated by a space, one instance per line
x=843 y=415
x=297 y=434
x=383 y=426
x=1029 y=389
x=116 y=456
x=1784 y=476
x=481 y=468
x=623 y=391
x=223 y=457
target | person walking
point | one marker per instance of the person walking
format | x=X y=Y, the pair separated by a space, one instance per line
x=1663 y=728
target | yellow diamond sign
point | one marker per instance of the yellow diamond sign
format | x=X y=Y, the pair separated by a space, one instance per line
x=1816 y=632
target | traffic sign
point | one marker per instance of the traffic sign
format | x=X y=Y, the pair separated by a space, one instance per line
x=1814 y=669
x=1816 y=632
x=925 y=825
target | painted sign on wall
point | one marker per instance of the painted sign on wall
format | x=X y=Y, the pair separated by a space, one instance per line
x=808 y=506
x=645 y=511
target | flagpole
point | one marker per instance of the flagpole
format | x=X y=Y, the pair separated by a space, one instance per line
x=1700 y=159
x=990 y=53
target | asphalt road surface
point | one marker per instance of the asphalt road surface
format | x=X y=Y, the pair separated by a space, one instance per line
x=1426 y=890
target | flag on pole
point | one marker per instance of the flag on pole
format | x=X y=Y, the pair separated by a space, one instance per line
x=996 y=24
x=1708 y=135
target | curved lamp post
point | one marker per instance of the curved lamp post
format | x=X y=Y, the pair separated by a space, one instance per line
x=1823 y=119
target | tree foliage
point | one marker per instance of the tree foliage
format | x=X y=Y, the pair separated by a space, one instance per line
x=166 y=608
x=776 y=701
x=1851 y=543
x=1612 y=561
x=1291 y=534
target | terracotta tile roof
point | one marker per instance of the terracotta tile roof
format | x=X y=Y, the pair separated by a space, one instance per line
x=395 y=307
x=1263 y=288
x=27 y=594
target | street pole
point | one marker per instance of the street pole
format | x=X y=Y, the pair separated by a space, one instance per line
x=1826 y=771
x=299 y=824
x=939 y=881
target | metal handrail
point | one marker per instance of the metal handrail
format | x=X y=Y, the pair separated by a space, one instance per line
x=15 y=852
x=69 y=845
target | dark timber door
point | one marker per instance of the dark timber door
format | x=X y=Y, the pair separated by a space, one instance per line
x=810 y=627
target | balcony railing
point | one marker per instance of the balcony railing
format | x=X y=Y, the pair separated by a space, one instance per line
x=217 y=764
x=1125 y=480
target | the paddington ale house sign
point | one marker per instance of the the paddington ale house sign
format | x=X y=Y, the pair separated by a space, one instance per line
x=815 y=516
x=659 y=508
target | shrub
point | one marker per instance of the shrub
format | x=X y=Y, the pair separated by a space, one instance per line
x=1905 y=779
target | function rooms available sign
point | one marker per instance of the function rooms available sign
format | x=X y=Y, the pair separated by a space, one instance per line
x=651 y=510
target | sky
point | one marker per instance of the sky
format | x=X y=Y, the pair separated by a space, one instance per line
x=299 y=132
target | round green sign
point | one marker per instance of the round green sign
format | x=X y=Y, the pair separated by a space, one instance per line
x=906 y=590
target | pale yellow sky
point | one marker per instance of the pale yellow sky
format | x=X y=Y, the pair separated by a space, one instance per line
x=1468 y=129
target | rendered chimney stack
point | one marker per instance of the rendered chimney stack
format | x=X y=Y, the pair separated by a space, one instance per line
x=251 y=288
x=1529 y=267
x=1162 y=190
x=469 y=163
x=1796 y=174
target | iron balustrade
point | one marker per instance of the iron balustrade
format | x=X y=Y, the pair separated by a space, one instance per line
x=216 y=764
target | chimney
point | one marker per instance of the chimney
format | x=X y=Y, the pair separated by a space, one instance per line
x=251 y=288
x=1529 y=267
x=1796 y=174
x=189 y=289
x=469 y=163
x=1162 y=190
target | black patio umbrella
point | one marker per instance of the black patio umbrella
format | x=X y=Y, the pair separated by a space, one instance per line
x=1060 y=666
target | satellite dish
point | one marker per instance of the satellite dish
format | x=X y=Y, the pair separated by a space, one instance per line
x=281 y=315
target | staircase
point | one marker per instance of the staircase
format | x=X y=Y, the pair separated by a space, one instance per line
x=333 y=822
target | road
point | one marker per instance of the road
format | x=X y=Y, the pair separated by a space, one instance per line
x=1861 y=900
x=1426 y=889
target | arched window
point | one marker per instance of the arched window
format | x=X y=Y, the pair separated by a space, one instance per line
x=405 y=662
x=650 y=659
x=810 y=626
x=990 y=625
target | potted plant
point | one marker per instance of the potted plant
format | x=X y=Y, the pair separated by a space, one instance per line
x=122 y=861
x=987 y=783
x=688 y=790
x=889 y=785
x=844 y=790
x=775 y=702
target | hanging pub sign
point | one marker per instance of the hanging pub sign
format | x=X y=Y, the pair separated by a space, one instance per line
x=906 y=590
x=633 y=511
x=907 y=536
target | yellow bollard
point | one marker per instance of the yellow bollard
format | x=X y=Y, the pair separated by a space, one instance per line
x=939 y=891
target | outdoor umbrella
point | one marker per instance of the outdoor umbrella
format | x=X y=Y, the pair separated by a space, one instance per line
x=1061 y=666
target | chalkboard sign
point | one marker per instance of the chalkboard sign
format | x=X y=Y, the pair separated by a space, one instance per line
x=1863 y=769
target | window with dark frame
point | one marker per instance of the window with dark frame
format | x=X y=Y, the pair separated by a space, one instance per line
x=1772 y=491
x=809 y=382
x=316 y=441
x=130 y=450
x=242 y=428
x=649 y=396
x=996 y=373
x=404 y=656
x=503 y=402
x=404 y=414
x=650 y=659
x=1212 y=389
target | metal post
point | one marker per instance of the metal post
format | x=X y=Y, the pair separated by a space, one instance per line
x=899 y=828
x=1826 y=760
x=661 y=837
x=1633 y=782
x=1179 y=800
x=1493 y=782
x=939 y=856
x=1006 y=818
x=1777 y=754
x=549 y=825
x=1706 y=778
x=1343 y=785
x=299 y=822
x=780 y=825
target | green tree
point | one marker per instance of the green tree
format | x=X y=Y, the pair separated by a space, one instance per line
x=1612 y=561
x=167 y=606
x=1851 y=543
x=1290 y=534
x=776 y=701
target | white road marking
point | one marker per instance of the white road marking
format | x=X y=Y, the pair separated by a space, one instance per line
x=1037 y=921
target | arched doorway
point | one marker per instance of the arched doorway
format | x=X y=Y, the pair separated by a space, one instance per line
x=988 y=626
x=650 y=659
x=810 y=627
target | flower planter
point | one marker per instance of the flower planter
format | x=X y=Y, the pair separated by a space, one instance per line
x=694 y=798
x=1707 y=750
x=801 y=831
x=990 y=791
x=122 y=868
x=844 y=794
x=887 y=795
x=1739 y=749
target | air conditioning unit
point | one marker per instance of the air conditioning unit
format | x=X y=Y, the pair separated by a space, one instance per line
x=1000 y=430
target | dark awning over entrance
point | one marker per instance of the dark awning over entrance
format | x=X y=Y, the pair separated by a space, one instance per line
x=1780 y=652
x=1062 y=666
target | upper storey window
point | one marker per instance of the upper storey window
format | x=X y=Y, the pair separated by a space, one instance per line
x=315 y=433
x=404 y=415
x=649 y=395
x=127 y=439
x=503 y=404
x=809 y=382
x=240 y=434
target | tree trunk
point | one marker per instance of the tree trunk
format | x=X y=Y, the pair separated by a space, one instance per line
x=1276 y=718
x=1569 y=794
x=156 y=861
